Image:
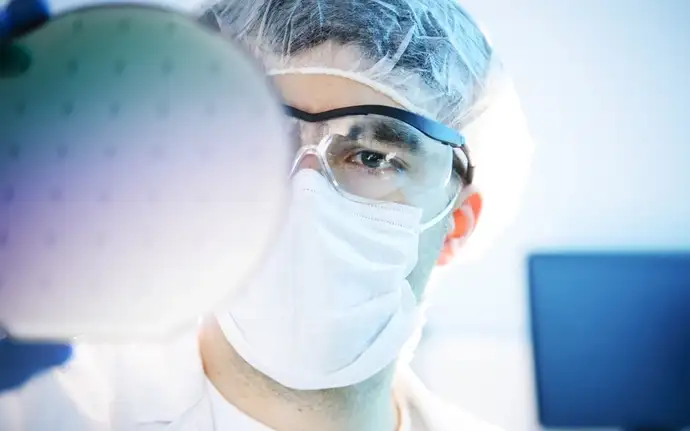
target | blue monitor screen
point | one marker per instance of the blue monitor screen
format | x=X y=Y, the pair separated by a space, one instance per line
x=611 y=339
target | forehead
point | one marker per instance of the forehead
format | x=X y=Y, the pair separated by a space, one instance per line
x=319 y=93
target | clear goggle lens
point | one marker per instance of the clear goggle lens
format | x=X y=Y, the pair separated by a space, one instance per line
x=375 y=158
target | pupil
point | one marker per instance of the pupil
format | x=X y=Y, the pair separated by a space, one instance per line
x=371 y=159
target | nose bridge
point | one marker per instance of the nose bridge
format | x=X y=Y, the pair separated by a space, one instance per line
x=307 y=158
x=313 y=133
x=311 y=137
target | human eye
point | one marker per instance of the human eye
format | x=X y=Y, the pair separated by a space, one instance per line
x=376 y=161
x=372 y=147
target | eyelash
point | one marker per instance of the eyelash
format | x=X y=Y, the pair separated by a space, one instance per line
x=398 y=164
x=354 y=150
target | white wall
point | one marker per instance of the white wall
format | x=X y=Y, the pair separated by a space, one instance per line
x=605 y=85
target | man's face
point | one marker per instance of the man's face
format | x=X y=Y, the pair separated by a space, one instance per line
x=319 y=93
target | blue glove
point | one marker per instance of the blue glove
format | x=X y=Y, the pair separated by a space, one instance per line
x=20 y=361
x=22 y=16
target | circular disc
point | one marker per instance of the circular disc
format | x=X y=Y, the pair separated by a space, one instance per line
x=143 y=168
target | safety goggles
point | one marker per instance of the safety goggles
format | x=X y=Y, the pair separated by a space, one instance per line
x=375 y=153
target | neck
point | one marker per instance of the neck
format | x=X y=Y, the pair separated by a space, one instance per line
x=366 y=406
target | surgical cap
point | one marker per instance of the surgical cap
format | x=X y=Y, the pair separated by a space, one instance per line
x=429 y=56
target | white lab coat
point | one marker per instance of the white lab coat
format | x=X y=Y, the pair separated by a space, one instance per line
x=163 y=387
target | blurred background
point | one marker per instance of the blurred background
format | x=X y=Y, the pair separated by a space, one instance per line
x=605 y=86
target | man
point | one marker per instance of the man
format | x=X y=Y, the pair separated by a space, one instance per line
x=378 y=95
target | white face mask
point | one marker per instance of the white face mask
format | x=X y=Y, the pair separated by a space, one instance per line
x=331 y=306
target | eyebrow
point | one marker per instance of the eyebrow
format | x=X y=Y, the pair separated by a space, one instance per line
x=433 y=129
x=388 y=133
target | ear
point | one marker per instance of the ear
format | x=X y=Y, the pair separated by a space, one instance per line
x=464 y=218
